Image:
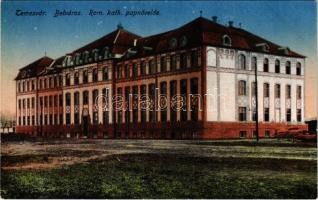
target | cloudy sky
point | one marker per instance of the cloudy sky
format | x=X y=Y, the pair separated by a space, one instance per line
x=25 y=39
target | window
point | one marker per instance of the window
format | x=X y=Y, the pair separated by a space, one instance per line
x=68 y=99
x=55 y=119
x=266 y=89
x=127 y=71
x=266 y=114
x=105 y=74
x=253 y=88
x=173 y=92
x=152 y=110
x=288 y=91
x=127 y=101
x=23 y=103
x=254 y=63
x=60 y=81
x=55 y=101
x=50 y=101
x=242 y=134
x=28 y=103
x=277 y=91
x=242 y=88
x=288 y=114
x=226 y=40
x=163 y=92
x=265 y=65
x=242 y=113
x=45 y=101
x=95 y=75
x=299 y=118
x=142 y=68
x=298 y=69
x=277 y=66
x=298 y=92
x=95 y=111
x=195 y=102
x=254 y=134
x=152 y=66
x=85 y=76
x=287 y=67
x=86 y=56
x=76 y=99
x=135 y=70
x=173 y=62
x=267 y=133
x=85 y=97
x=242 y=62
x=95 y=55
x=194 y=58
x=76 y=118
x=183 y=60
x=33 y=85
x=135 y=104
x=77 y=58
x=105 y=111
x=183 y=92
x=76 y=78
x=119 y=71
x=67 y=80
x=19 y=104
x=61 y=118
x=68 y=118
x=163 y=64
x=143 y=112
x=61 y=100
x=33 y=102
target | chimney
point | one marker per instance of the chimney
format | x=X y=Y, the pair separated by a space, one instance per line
x=135 y=42
x=215 y=19
x=230 y=23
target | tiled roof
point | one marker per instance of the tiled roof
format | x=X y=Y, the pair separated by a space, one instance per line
x=202 y=31
x=34 y=68
x=118 y=41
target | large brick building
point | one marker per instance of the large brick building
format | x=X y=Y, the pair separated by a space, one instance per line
x=203 y=68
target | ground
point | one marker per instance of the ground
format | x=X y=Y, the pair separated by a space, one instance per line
x=158 y=169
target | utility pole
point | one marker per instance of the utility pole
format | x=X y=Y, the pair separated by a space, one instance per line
x=256 y=105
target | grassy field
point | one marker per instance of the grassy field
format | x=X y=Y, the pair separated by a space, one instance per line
x=173 y=175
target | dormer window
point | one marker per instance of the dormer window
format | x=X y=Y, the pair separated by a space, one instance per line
x=183 y=41
x=227 y=40
x=86 y=56
x=173 y=42
x=95 y=53
x=285 y=50
x=263 y=47
x=77 y=59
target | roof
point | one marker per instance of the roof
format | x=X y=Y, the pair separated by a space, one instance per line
x=202 y=31
x=34 y=68
x=118 y=41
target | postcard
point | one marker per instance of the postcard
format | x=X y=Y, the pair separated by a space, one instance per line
x=158 y=99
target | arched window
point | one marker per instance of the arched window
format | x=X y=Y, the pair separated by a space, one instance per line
x=76 y=99
x=68 y=99
x=105 y=74
x=68 y=80
x=95 y=75
x=277 y=91
x=242 y=88
x=85 y=98
x=265 y=65
x=277 y=66
x=287 y=67
x=242 y=62
x=76 y=78
x=226 y=40
x=254 y=63
x=298 y=69
x=266 y=90
x=85 y=76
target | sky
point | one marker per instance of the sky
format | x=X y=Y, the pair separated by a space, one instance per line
x=25 y=39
